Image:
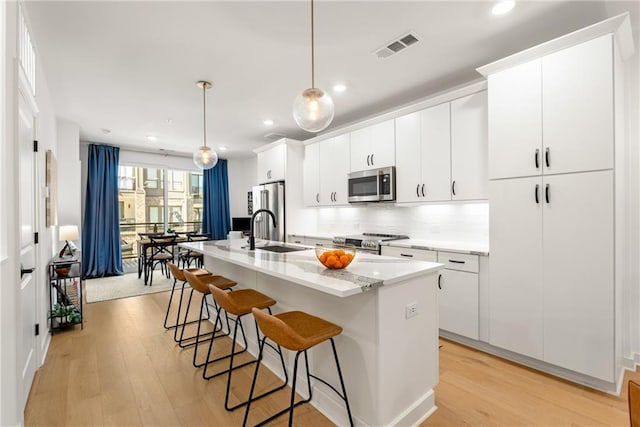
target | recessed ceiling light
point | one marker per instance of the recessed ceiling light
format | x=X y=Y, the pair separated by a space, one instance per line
x=339 y=88
x=502 y=7
x=222 y=148
x=169 y=121
x=268 y=122
x=152 y=138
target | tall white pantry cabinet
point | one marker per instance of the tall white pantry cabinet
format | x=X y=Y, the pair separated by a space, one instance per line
x=552 y=142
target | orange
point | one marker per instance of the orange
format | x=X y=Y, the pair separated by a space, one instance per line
x=344 y=259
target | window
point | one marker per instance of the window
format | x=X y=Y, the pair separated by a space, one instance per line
x=153 y=179
x=125 y=178
x=176 y=180
x=175 y=215
x=121 y=206
x=196 y=184
x=155 y=214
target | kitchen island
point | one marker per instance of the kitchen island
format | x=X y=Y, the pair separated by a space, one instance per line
x=387 y=307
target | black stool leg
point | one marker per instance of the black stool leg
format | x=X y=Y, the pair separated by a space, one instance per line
x=231 y=354
x=344 y=390
x=253 y=382
x=166 y=316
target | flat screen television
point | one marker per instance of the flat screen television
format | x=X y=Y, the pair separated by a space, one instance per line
x=241 y=223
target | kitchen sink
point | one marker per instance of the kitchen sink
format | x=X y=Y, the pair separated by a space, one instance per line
x=281 y=249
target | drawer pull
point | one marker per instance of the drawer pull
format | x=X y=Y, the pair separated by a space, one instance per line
x=319 y=244
x=407 y=255
x=297 y=241
x=456 y=261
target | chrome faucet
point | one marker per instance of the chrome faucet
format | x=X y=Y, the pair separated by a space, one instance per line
x=252 y=239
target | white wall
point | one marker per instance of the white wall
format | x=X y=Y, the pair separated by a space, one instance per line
x=451 y=222
x=242 y=177
x=69 y=181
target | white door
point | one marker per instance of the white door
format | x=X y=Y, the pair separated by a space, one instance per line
x=515 y=273
x=311 y=175
x=578 y=273
x=26 y=352
x=577 y=113
x=436 y=153
x=469 y=150
x=458 y=302
x=515 y=121
x=408 y=161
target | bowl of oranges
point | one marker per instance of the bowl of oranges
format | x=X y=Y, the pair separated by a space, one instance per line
x=335 y=257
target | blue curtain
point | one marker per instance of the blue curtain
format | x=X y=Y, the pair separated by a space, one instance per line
x=101 y=249
x=216 y=219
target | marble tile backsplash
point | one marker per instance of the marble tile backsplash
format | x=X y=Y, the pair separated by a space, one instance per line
x=451 y=222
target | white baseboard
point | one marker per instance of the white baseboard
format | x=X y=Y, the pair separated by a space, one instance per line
x=44 y=349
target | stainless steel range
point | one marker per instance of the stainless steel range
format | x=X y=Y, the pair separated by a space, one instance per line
x=369 y=242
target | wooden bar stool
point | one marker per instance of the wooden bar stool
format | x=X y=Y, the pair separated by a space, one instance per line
x=297 y=331
x=239 y=304
x=178 y=275
x=201 y=284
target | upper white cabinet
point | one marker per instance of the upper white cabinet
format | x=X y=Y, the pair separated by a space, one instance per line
x=373 y=147
x=553 y=114
x=272 y=164
x=577 y=107
x=423 y=155
x=515 y=121
x=334 y=168
x=311 y=175
x=469 y=174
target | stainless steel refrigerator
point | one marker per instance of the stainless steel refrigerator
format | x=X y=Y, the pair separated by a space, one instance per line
x=269 y=196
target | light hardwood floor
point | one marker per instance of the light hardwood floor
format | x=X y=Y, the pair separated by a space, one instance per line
x=124 y=369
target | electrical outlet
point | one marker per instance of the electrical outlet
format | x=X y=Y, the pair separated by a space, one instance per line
x=411 y=310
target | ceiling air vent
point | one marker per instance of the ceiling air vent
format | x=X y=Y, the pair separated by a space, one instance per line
x=397 y=45
x=275 y=135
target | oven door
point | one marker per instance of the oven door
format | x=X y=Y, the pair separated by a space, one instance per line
x=363 y=187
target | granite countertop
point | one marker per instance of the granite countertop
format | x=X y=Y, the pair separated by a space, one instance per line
x=474 y=248
x=366 y=272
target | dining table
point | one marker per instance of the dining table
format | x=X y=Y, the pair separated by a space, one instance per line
x=146 y=245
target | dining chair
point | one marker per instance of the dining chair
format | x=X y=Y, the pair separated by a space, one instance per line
x=188 y=256
x=161 y=252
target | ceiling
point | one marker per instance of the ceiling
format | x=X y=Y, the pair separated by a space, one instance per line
x=132 y=67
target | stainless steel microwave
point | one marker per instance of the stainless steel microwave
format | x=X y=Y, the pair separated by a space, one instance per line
x=375 y=185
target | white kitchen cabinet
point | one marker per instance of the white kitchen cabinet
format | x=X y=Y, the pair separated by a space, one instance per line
x=417 y=254
x=469 y=147
x=423 y=155
x=515 y=121
x=577 y=107
x=334 y=168
x=578 y=273
x=515 y=275
x=308 y=240
x=551 y=276
x=373 y=147
x=272 y=164
x=311 y=175
x=458 y=302
x=554 y=114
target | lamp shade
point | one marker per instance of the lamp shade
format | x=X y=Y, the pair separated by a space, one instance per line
x=313 y=110
x=205 y=157
x=68 y=232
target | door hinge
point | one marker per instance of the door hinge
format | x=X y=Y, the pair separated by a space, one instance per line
x=37 y=329
x=35 y=238
x=35 y=145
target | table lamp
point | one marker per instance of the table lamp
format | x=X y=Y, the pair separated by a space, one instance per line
x=66 y=233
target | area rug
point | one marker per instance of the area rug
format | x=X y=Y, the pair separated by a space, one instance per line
x=125 y=286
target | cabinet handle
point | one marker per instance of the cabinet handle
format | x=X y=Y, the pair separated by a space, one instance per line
x=297 y=241
x=537 y=194
x=319 y=244
x=546 y=193
x=537 y=158
x=368 y=155
x=24 y=271
x=318 y=197
x=418 y=190
x=453 y=188
x=422 y=190
x=439 y=281
x=372 y=160
x=407 y=255
x=547 y=157
x=455 y=261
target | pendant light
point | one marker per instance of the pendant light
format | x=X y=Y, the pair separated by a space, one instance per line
x=313 y=109
x=205 y=157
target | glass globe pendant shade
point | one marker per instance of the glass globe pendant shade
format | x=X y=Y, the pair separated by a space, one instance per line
x=205 y=158
x=313 y=110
